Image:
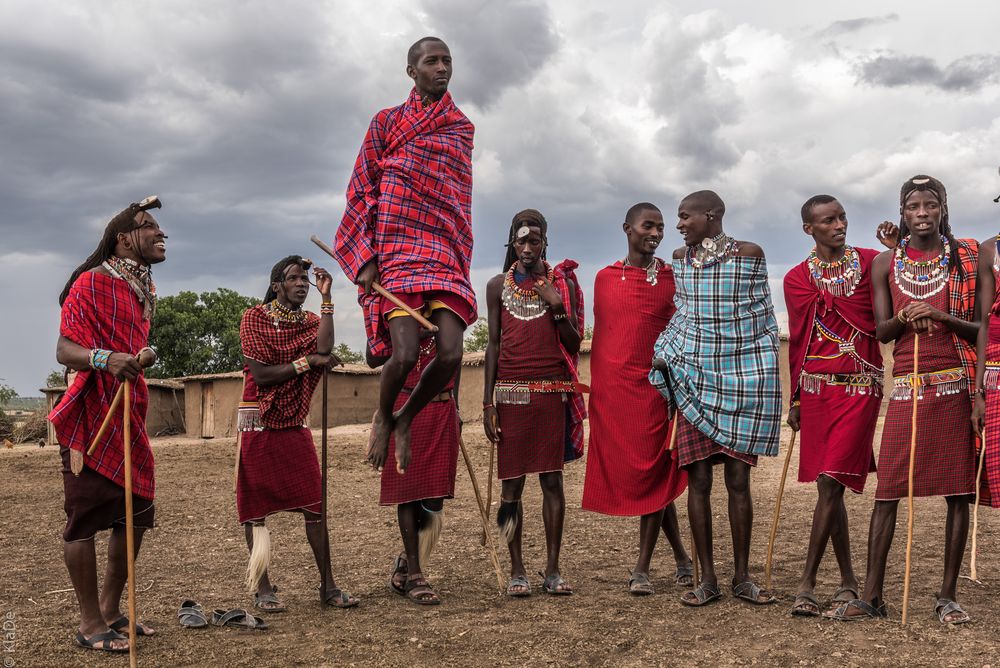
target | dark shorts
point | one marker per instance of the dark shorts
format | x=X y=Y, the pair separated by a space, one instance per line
x=94 y=503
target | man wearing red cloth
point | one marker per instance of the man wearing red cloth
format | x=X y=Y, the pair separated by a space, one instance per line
x=836 y=384
x=107 y=306
x=408 y=225
x=986 y=408
x=630 y=471
x=287 y=349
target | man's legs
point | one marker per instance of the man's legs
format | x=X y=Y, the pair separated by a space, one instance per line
x=264 y=586
x=880 y=535
x=829 y=521
x=81 y=562
x=737 y=475
x=700 y=514
x=956 y=533
x=510 y=492
x=553 y=515
x=672 y=531
x=319 y=538
x=405 y=334
x=649 y=532
x=116 y=575
x=449 y=342
x=410 y=520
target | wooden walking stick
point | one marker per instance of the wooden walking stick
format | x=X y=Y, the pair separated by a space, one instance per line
x=146 y=359
x=323 y=508
x=777 y=512
x=490 y=540
x=975 y=508
x=489 y=493
x=909 y=493
x=129 y=522
x=424 y=322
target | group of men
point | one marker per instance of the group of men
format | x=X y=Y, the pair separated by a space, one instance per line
x=684 y=365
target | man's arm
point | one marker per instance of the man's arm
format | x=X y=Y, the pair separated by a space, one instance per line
x=120 y=365
x=493 y=306
x=888 y=327
x=985 y=292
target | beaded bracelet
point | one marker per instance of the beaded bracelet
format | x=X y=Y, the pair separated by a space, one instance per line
x=558 y=316
x=99 y=359
x=301 y=365
x=326 y=308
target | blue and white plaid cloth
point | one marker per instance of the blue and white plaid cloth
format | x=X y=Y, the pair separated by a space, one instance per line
x=721 y=349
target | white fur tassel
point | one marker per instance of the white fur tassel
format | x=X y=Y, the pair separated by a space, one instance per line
x=429 y=533
x=260 y=556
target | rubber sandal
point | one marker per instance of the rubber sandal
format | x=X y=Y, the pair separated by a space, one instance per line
x=805 y=605
x=399 y=567
x=270 y=597
x=639 y=585
x=121 y=625
x=191 y=615
x=554 y=585
x=93 y=641
x=946 y=607
x=519 y=581
x=750 y=591
x=238 y=618
x=417 y=590
x=868 y=611
x=704 y=594
x=338 y=598
x=684 y=576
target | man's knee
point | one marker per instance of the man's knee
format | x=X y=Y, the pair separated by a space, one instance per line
x=406 y=354
x=829 y=488
x=700 y=480
x=552 y=483
x=433 y=505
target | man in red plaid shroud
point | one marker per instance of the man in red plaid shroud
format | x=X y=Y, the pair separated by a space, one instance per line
x=408 y=225
x=106 y=305
x=287 y=351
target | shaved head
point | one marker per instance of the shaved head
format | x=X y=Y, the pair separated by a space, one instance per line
x=413 y=55
x=636 y=209
x=706 y=201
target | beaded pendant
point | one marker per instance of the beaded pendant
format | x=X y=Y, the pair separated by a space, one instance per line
x=711 y=251
x=280 y=314
x=919 y=279
x=840 y=277
x=652 y=269
x=520 y=303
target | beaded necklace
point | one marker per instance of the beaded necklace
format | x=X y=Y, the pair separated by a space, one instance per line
x=280 y=313
x=140 y=279
x=651 y=269
x=711 y=251
x=919 y=279
x=520 y=303
x=841 y=277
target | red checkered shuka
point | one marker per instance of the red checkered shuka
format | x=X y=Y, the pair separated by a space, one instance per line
x=989 y=489
x=409 y=204
x=285 y=404
x=562 y=274
x=103 y=312
x=693 y=446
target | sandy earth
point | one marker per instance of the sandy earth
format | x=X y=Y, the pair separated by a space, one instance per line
x=198 y=552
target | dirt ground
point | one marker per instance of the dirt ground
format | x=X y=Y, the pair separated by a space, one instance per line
x=197 y=552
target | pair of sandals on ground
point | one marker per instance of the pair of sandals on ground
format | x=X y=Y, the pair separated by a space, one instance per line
x=748 y=590
x=947 y=610
x=553 y=585
x=639 y=583
x=415 y=588
x=270 y=603
x=115 y=639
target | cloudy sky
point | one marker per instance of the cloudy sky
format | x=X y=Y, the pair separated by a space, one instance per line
x=246 y=116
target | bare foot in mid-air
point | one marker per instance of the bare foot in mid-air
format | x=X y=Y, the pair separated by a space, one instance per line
x=401 y=431
x=378 y=441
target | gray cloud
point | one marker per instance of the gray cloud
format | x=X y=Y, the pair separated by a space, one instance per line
x=967 y=74
x=847 y=26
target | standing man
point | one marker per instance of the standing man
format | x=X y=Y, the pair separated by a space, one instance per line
x=986 y=405
x=926 y=286
x=836 y=384
x=630 y=471
x=287 y=350
x=107 y=306
x=717 y=362
x=408 y=225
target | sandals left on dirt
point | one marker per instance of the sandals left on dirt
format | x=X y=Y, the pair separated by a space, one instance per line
x=554 y=585
x=639 y=584
x=420 y=592
x=238 y=618
x=338 y=598
x=751 y=592
x=947 y=607
x=121 y=625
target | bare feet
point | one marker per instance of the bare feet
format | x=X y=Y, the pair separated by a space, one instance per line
x=401 y=431
x=378 y=441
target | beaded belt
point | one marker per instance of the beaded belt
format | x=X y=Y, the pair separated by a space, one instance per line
x=991 y=378
x=949 y=381
x=518 y=392
x=853 y=383
x=248 y=417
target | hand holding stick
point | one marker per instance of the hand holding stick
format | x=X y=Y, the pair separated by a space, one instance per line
x=421 y=320
x=146 y=358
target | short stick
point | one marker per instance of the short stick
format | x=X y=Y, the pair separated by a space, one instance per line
x=909 y=494
x=673 y=431
x=107 y=420
x=777 y=512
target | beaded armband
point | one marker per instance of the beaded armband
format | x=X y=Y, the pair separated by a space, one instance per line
x=99 y=359
x=301 y=365
x=326 y=308
x=559 y=316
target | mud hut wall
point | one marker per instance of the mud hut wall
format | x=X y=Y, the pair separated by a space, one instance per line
x=226 y=390
x=351 y=399
x=165 y=414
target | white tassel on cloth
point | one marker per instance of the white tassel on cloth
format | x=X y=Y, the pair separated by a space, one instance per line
x=260 y=556
x=430 y=533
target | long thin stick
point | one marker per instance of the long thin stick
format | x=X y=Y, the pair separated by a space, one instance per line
x=697 y=562
x=239 y=440
x=975 y=508
x=491 y=543
x=489 y=493
x=129 y=523
x=777 y=512
x=909 y=493
x=424 y=322
x=323 y=508
x=673 y=431
x=107 y=420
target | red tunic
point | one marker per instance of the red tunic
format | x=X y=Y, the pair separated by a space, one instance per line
x=533 y=435
x=103 y=312
x=434 y=443
x=629 y=469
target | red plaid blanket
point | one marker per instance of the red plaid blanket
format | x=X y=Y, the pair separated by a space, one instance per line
x=285 y=404
x=577 y=406
x=409 y=203
x=103 y=312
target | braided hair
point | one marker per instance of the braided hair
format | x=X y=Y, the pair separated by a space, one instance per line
x=278 y=273
x=124 y=222
x=530 y=217
x=936 y=188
